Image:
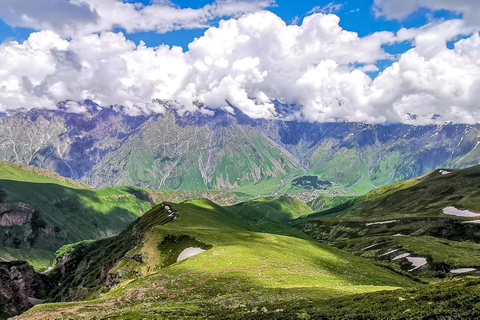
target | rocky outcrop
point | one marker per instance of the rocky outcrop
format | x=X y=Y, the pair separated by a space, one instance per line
x=22 y=226
x=21 y=287
x=15 y=214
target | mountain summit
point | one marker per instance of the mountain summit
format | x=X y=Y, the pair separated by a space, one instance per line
x=106 y=147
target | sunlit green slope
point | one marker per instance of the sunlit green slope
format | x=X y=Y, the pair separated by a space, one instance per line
x=434 y=218
x=40 y=210
x=243 y=267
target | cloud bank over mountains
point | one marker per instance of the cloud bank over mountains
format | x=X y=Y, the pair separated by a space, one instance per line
x=249 y=61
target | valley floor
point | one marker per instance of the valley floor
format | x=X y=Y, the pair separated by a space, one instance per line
x=458 y=299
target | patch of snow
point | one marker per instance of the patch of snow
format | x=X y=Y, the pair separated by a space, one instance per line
x=399 y=235
x=389 y=252
x=444 y=172
x=417 y=262
x=380 y=222
x=189 y=252
x=463 y=270
x=34 y=301
x=459 y=213
x=401 y=256
x=48 y=269
x=373 y=245
x=473 y=221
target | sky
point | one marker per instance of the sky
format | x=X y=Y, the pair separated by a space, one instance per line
x=374 y=61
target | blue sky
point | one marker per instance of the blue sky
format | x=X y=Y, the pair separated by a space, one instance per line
x=355 y=16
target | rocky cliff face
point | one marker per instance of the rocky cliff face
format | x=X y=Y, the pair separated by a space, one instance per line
x=105 y=147
x=17 y=214
x=21 y=225
x=21 y=287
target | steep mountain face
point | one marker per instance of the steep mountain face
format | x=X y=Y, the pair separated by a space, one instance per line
x=40 y=212
x=363 y=157
x=168 y=152
x=104 y=147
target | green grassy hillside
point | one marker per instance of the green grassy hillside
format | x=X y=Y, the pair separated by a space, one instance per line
x=324 y=202
x=409 y=218
x=41 y=211
x=47 y=215
x=245 y=266
x=272 y=209
x=39 y=259
x=457 y=299
x=21 y=172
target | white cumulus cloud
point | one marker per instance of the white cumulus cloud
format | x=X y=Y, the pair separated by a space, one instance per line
x=252 y=63
x=71 y=17
x=399 y=9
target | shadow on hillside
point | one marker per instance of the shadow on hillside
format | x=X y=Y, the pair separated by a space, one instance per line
x=64 y=215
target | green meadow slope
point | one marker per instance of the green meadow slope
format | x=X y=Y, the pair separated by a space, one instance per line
x=245 y=266
x=456 y=299
x=21 y=172
x=41 y=211
x=324 y=202
x=433 y=219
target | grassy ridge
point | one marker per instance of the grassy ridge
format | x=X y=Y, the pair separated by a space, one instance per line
x=407 y=218
x=324 y=202
x=39 y=259
x=62 y=211
x=457 y=299
x=246 y=266
x=21 y=172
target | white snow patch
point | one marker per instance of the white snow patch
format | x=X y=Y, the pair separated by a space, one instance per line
x=444 y=172
x=48 y=269
x=34 y=301
x=417 y=262
x=459 y=213
x=380 y=222
x=389 y=252
x=189 y=252
x=463 y=270
x=399 y=235
x=401 y=256
x=373 y=245
x=473 y=221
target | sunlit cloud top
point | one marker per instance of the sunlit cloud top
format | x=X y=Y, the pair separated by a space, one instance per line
x=407 y=61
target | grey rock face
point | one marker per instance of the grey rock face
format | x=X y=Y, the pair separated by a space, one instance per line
x=105 y=147
x=21 y=287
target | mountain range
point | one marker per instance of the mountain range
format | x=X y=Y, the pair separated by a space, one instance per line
x=105 y=147
x=110 y=215
x=406 y=250
x=413 y=255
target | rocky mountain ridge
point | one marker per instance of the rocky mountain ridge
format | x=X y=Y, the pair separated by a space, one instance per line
x=106 y=147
